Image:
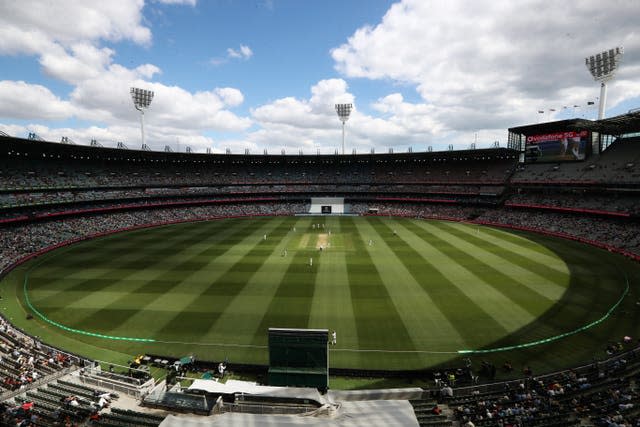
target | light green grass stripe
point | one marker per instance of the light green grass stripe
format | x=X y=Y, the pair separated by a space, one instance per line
x=518 y=244
x=332 y=306
x=82 y=279
x=198 y=281
x=537 y=283
x=74 y=330
x=88 y=253
x=115 y=293
x=426 y=324
x=241 y=318
x=378 y=321
x=207 y=307
x=509 y=315
x=291 y=304
x=137 y=293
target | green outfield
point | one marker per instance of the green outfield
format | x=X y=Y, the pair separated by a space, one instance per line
x=401 y=293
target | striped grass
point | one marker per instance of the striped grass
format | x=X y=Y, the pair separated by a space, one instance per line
x=401 y=293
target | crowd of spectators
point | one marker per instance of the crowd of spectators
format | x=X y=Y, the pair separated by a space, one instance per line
x=605 y=202
x=414 y=210
x=23 y=360
x=613 y=232
x=604 y=394
x=26 y=363
x=38 y=197
x=19 y=241
x=30 y=171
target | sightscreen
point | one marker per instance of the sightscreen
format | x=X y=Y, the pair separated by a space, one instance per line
x=299 y=357
x=569 y=146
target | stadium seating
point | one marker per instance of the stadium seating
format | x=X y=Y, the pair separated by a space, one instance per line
x=618 y=164
x=47 y=201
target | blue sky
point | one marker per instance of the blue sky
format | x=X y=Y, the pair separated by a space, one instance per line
x=265 y=74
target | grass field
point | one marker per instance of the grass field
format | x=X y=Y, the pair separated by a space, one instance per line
x=401 y=293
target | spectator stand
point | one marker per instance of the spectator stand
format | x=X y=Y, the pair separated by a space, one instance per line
x=45 y=363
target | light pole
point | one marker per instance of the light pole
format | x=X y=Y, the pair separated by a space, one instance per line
x=343 y=110
x=603 y=67
x=141 y=100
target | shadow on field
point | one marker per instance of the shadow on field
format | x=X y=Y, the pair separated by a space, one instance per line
x=597 y=281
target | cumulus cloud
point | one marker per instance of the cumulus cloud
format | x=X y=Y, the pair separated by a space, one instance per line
x=21 y=100
x=312 y=123
x=29 y=25
x=487 y=65
x=66 y=38
x=472 y=67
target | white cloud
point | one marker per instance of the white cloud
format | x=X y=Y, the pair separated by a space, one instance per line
x=312 y=123
x=477 y=67
x=316 y=112
x=178 y=2
x=82 y=62
x=100 y=87
x=232 y=97
x=244 y=52
x=28 y=26
x=21 y=100
x=487 y=65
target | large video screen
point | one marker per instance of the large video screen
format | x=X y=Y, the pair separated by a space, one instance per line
x=557 y=147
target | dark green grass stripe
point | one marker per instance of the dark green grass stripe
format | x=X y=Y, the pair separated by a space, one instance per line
x=528 y=263
x=136 y=255
x=94 y=252
x=115 y=277
x=235 y=234
x=235 y=279
x=87 y=253
x=290 y=306
x=521 y=295
x=370 y=299
x=458 y=308
x=120 y=267
x=225 y=288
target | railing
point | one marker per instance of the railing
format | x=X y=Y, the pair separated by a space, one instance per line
x=116 y=382
x=35 y=384
x=255 y=408
x=500 y=386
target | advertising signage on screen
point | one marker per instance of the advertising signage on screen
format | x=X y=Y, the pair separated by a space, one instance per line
x=557 y=147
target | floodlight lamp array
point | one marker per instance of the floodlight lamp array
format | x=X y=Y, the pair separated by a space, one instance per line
x=141 y=98
x=604 y=65
x=344 y=110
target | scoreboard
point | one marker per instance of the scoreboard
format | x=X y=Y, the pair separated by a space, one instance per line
x=569 y=146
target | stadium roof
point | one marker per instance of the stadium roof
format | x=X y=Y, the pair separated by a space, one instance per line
x=618 y=125
x=26 y=147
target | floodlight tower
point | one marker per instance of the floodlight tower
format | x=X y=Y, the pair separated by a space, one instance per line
x=141 y=100
x=603 y=67
x=343 y=110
